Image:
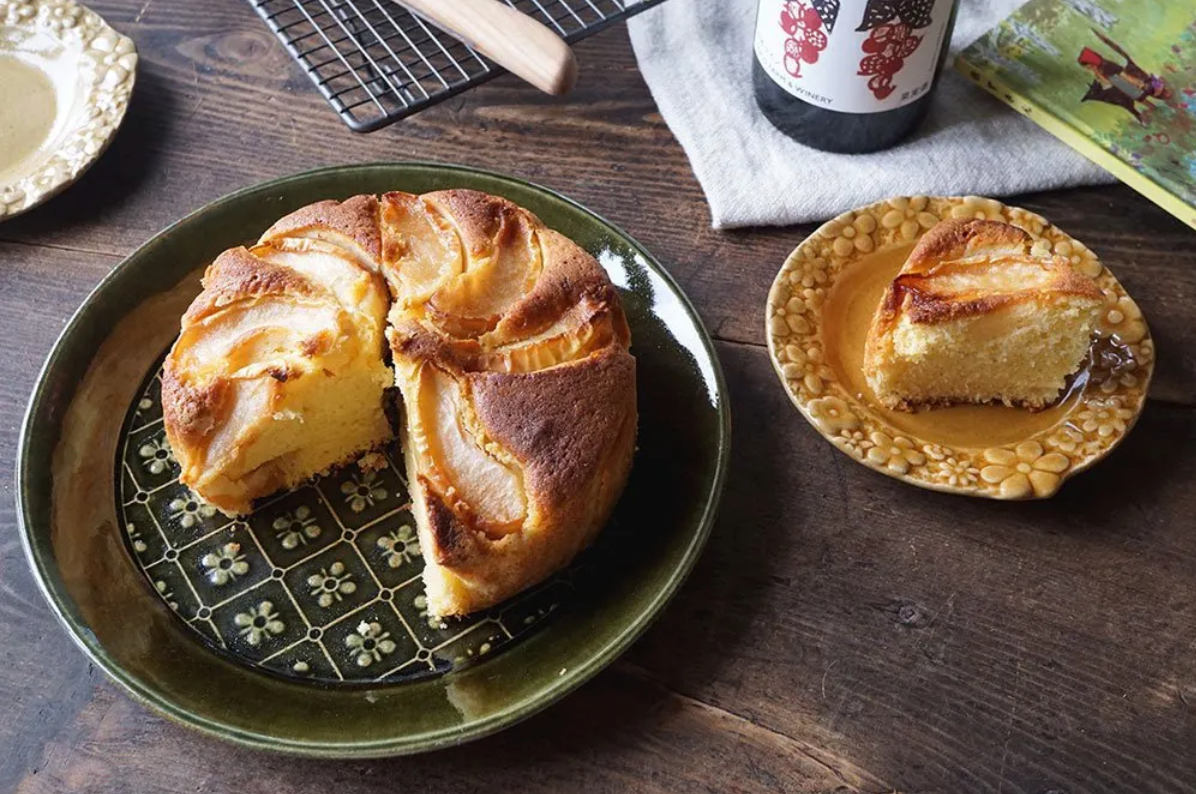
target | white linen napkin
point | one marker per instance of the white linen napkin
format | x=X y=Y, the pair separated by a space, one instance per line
x=696 y=58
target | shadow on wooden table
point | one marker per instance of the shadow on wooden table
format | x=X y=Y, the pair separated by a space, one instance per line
x=769 y=519
x=618 y=733
x=1138 y=473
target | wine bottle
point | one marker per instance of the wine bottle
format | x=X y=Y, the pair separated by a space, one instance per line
x=849 y=76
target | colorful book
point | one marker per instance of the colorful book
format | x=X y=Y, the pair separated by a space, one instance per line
x=1114 y=79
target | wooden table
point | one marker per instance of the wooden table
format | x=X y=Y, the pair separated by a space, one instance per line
x=843 y=632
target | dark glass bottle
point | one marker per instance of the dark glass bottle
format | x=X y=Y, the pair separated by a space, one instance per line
x=849 y=76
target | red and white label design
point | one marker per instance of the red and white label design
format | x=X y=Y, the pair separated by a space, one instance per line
x=852 y=56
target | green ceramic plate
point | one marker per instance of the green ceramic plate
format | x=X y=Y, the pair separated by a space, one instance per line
x=310 y=674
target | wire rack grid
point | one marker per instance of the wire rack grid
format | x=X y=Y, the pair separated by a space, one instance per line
x=376 y=62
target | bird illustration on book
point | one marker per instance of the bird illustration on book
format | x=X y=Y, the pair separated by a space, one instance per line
x=1124 y=86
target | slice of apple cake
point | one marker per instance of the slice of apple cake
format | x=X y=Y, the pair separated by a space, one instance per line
x=976 y=316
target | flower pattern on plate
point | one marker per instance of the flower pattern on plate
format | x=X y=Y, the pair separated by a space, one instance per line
x=956 y=472
x=895 y=454
x=807 y=366
x=135 y=537
x=189 y=512
x=331 y=584
x=225 y=564
x=167 y=594
x=421 y=604
x=369 y=643
x=399 y=546
x=1066 y=439
x=1025 y=470
x=1081 y=258
x=296 y=528
x=832 y=415
x=975 y=207
x=1105 y=417
x=260 y=623
x=855 y=442
x=908 y=216
x=1123 y=319
x=156 y=455
x=362 y=491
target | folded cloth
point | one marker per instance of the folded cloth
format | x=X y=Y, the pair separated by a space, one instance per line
x=696 y=57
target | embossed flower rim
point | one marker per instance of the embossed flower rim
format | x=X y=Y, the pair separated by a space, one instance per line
x=108 y=61
x=1034 y=467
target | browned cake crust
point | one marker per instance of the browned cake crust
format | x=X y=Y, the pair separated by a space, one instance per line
x=353 y=221
x=237 y=275
x=576 y=454
x=192 y=412
x=483 y=222
x=562 y=423
x=956 y=239
x=571 y=278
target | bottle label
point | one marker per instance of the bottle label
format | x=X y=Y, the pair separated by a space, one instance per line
x=852 y=56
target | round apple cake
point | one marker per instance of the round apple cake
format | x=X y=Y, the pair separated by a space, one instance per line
x=505 y=339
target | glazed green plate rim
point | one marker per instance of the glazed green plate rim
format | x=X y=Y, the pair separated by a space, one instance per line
x=52 y=587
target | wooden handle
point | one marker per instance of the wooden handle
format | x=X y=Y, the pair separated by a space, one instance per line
x=508 y=37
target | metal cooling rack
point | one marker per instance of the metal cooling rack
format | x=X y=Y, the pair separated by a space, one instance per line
x=376 y=62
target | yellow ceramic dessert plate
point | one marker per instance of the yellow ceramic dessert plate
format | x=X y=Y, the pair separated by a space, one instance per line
x=65 y=81
x=819 y=311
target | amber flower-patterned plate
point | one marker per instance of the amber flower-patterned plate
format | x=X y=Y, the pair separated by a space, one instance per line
x=65 y=82
x=819 y=311
x=303 y=627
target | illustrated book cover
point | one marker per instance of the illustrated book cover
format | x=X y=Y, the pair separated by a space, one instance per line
x=1114 y=79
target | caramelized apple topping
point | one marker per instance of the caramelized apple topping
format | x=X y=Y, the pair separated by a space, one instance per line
x=455 y=457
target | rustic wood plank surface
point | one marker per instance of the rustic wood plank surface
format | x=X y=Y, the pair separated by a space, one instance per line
x=842 y=632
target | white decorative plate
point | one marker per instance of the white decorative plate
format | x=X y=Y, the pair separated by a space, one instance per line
x=819 y=310
x=65 y=81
